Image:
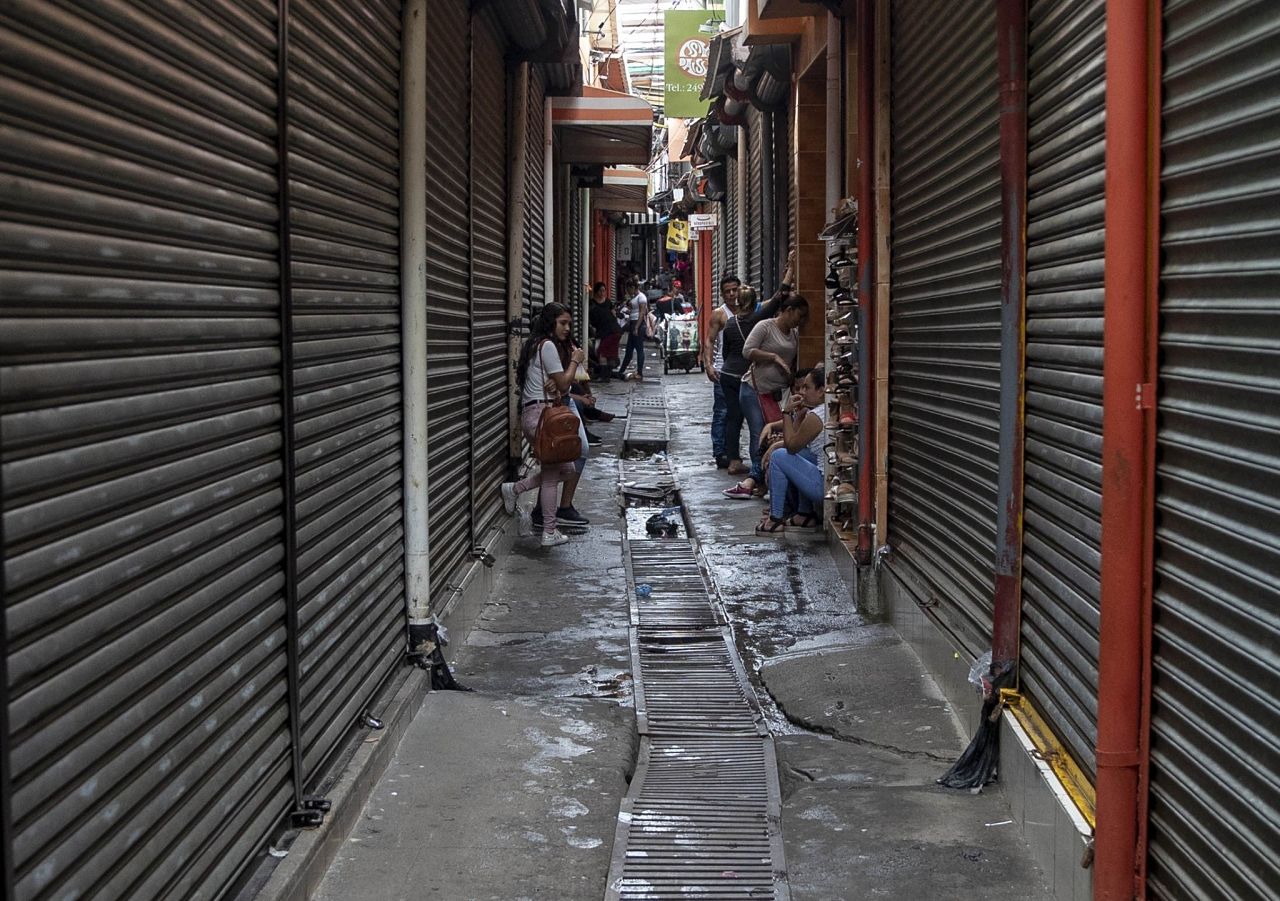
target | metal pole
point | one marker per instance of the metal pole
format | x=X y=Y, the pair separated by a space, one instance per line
x=1011 y=31
x=744 y=160
x=7 y=864
x=866 y=278
x=835 y=140
x=288 y=476
x=413 y=313
x=517 y=184
x=1127 y=410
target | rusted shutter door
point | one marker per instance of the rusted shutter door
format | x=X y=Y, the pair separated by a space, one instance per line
x=142 y=430
x=1063 y=484
x=448 y=290
x=489 y=267
x=1215 y=730
x=944 y=356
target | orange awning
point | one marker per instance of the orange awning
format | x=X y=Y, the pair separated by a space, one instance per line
x=603 y=127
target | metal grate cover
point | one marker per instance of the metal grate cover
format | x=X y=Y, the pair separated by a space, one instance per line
x=702 y=817
x=647 y=427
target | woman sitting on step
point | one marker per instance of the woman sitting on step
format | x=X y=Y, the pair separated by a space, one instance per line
x=795 y=475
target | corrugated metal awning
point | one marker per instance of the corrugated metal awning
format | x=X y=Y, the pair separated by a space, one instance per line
x=624 y=189
x=647 y=218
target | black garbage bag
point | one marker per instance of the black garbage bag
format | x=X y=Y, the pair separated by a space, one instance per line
x=664 y=524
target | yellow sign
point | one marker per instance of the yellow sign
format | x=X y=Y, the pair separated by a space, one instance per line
x=678 y=235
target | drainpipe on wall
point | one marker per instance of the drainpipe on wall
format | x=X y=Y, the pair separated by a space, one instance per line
x=548 y=205
x=1128 y=433
x=413 y=315
x=866 y=278
x=516 y=213
x=744 y=160
x=1011 y=36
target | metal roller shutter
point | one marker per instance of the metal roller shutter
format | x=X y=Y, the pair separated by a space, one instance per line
x=944 y=358
x=732 y=265
x=574 y=277
x=142 y=434
x=1215 y=734
x=534 y=251
x=448 y=291
x=344 y=112
x=1062 y=521
x=786 y=189
x=489 y=269
x=754 y=265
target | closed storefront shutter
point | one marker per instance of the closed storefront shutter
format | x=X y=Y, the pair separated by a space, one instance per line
x=344 y=111
x=142 y=447
x=448 y=291
x=534 y=251
x=574 y=295
x=1215 y=733
x=489 y=267
x=732 y=265
x=754 y=266
x=944 y=351
x=1063 y=480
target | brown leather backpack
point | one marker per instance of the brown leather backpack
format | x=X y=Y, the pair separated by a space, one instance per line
x=556 y=439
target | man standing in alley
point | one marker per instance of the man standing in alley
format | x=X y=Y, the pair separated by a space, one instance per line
x=713 y=362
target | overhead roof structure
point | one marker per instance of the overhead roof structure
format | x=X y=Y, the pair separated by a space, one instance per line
x=625 y=189
x=603 y=127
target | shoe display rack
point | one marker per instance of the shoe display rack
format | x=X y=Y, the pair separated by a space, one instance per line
x=842 y=388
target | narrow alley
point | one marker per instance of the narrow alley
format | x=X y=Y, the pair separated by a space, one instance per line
x=638 y=449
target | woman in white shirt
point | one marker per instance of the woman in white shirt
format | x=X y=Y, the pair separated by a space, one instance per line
x=544 y=379
x=637 y=320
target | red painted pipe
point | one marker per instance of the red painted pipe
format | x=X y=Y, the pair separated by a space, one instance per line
x=1011 y=38
x=864 y=21
x=1127 y=390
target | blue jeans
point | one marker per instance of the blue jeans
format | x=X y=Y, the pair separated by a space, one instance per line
x=750 y=403
x=796 y=473
x=635 y=345
x=732 y=416
x=719 y=414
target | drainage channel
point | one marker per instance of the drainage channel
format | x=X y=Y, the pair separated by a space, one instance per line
x=702 y=815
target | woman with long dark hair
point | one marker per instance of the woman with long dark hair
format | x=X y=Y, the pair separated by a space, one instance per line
x=543 y=379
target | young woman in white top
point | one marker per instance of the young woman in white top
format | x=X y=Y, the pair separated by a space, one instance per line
x=637 y=320
x=543 y=379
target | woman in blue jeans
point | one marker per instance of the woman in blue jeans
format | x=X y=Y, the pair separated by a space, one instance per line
x=794 y=471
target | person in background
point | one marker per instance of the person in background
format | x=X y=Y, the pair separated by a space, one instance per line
x=605 y=330
x=795 y=476
x=543 y=379
x=712 y=363
x=637 y=328
x=771 y=349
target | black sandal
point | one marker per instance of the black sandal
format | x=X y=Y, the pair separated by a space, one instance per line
x=773 y=529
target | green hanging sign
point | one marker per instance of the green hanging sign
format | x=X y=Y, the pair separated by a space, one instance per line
x=688 y=47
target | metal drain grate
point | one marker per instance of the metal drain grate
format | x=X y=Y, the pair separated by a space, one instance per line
x=701 y=817
x=647 y=427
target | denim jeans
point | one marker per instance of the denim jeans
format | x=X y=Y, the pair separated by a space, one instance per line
x=750 y=403
x=719 y=413
x=635 y=345
x=732 y=416
x=796 y=473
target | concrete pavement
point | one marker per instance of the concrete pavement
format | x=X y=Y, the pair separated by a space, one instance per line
x=512 y=791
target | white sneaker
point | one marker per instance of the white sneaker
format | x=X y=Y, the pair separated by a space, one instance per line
x=509 y=497
x=554 y=539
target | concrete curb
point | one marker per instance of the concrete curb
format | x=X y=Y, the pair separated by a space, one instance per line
x=297 y=876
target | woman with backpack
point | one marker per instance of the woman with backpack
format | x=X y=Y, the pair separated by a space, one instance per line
x=543 y=381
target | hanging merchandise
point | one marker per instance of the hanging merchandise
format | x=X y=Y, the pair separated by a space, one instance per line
x=678 y=235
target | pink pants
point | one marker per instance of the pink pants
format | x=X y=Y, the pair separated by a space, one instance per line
x=547 y=480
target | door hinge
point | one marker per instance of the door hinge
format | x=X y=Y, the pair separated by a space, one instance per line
x=1146 y=396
